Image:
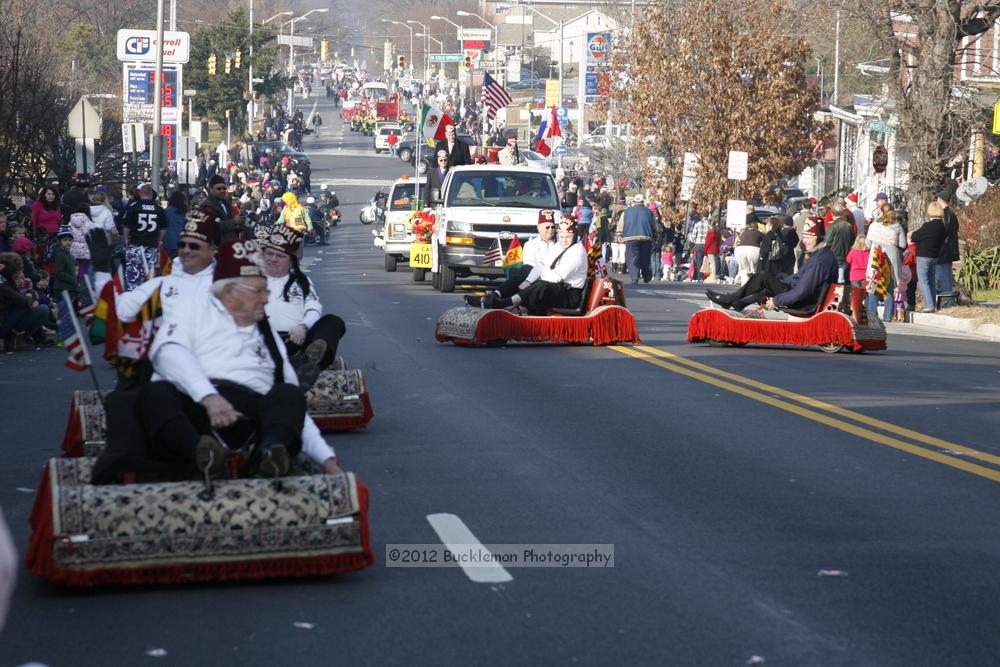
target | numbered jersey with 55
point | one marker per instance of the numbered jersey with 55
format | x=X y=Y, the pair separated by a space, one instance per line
x=145 y=220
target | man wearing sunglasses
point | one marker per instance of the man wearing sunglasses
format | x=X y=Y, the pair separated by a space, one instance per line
x=190 y=276
x=538 y=251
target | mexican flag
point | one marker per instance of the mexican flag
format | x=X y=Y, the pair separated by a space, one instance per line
x=514 y=259
x=433 y=122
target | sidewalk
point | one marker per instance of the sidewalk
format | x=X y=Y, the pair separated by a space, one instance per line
x=969 y=325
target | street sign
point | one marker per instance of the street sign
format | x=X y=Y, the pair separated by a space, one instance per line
x=297 y=40
x=187 y=148
x=85 y=155
x=560 y=150
x=562 y=115
x=513 y=69
x=689 y=177
x=84 y=122
x=191 y=93
x=996 y=118
x=133 y=137
x=736 y=213
x=738 y=163
x=141 y=45
x=475 y=34
x=447 y=57
x=552 y=93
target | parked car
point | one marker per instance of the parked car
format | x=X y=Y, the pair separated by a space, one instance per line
x=407 y=148
x=529 y=80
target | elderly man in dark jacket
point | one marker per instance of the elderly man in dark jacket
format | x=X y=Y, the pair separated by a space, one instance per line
x=798 y=290
x=637 y=230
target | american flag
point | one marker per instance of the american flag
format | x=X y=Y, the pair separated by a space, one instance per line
x=88 y=301
x=72 y=336
x=494 y=96
x=494 y=254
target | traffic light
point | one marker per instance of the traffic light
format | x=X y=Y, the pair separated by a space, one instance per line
x=229 y=65
x=237 y=58
x=211 y=65
x=401 y=62
x=468 y=62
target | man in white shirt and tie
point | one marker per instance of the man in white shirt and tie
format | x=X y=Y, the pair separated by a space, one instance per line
x=556 y=283
x=536 y=251
x=222 y=373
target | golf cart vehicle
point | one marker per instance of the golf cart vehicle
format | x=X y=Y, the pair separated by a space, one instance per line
x=601 y=319
x=828 y=325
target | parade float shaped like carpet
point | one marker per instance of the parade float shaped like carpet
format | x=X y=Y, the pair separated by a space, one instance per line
x=474 y=326
x=824 y=328
x=87 y=535
x=86 y=429
x=339 y=401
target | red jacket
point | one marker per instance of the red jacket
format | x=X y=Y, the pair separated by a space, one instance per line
x=712 y=243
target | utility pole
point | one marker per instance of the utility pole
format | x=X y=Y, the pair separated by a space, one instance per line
x=156 y=148
x=250 y=108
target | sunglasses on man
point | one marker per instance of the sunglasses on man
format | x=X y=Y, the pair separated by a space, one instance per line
x=189 y=246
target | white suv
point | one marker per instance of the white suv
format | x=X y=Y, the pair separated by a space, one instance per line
x=382 y=136
x=396 y=237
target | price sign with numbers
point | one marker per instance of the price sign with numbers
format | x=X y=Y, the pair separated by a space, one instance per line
x=420 y=256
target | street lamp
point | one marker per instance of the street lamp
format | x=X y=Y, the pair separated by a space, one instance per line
x=252 y=107
x=561 y=40
x=458 y=72
x=291 y=49
x=427 y=44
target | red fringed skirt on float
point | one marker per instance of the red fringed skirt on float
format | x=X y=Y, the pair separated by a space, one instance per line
x=166 y=532
x=474 y=326
x=826 y=328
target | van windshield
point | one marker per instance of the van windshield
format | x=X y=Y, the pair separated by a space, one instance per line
x=485 y=188
x=402 y=197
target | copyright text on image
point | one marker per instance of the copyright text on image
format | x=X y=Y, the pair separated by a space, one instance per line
x=506 y=555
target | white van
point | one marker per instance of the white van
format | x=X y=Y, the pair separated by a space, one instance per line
x=397 y=238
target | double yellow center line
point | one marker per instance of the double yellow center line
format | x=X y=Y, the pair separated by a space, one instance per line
x=863 y=426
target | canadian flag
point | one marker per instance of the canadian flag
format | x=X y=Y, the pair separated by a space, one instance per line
x=549 y=134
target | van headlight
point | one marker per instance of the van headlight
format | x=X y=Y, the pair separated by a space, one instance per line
x=456 y=226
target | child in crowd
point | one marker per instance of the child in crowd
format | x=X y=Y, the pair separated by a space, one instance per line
x=667 y=257
x=45 y=299
x=857 y=257
x=80 y=223
x=66 y=268
x=899 y=294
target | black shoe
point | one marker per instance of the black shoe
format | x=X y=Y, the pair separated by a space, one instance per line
x=718 y=299
x=490 y=298
x=474 y=301
x=308 y=370
x=747 y=301
x=210 y=455
x=274 y=461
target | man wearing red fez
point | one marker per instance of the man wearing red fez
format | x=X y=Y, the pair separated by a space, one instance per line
x=555 y=283
x=537 y=251
x=222 y=378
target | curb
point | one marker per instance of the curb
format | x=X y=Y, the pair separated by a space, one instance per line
x=990 y=332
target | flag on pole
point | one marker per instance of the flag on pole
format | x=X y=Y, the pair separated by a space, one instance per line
x=433 y=122
x=514 y=258
x=549 y=134
x=494 y=96
x=494 y=254
x=87 y=301
x=72 y=336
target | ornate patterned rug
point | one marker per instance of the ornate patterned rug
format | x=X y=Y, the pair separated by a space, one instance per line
x=170 y=532
x=85 y=429
x=339 y=400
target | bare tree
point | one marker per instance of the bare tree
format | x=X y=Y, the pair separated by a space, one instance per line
x=711 y=76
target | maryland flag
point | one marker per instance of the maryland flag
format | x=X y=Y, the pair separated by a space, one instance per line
x=125 y=344
x=878 y=277
x=514 y=258
x=595 y=256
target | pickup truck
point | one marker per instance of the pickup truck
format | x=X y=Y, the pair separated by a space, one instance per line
x=479 y=204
